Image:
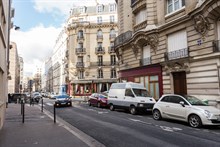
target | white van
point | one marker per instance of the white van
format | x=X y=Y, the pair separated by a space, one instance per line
x=129 y=95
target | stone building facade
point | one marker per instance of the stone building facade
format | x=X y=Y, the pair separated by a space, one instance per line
x=171 y=47
x=5 y=24
x=14 y=69
x=92 y=64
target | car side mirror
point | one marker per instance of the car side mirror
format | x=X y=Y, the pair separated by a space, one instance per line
x=182 y=103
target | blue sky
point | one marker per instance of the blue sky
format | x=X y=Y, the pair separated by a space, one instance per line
x=40 y=22
x=27 y=17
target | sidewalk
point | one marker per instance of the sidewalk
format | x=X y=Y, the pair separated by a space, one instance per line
x=38 y=130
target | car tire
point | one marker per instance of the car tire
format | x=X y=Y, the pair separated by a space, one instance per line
x=90 y=103
x=99 y=105
x=157 y=115
x=195 y=121
x=133 y=110
x=112 y=108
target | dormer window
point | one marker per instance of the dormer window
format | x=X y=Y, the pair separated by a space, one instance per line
x=112 y=7
x=100 y=8
x=82 y=10
x=174 y=5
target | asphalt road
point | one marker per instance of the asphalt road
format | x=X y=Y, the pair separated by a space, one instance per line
x=121 y=129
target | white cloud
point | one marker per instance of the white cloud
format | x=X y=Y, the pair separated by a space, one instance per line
x=62 y=7
x=35 y=45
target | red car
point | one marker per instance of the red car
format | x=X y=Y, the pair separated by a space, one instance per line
x=98 y=99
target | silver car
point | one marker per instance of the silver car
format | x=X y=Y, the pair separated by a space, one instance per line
x=186 y=108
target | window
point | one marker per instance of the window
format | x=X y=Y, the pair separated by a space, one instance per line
x=146 y=55
x=81 y=20
x=80 y=45
x=113 y=60
x=177 y=41
x=99 y=8
x=99 y=34
x=113 y=73
x=81 y=75
x=174 y=5
x=100 y=73
x=129 y=93
x=100 y=60
x=112 y=18
x=141 y=16
x=99 y=19
x=80 y=34
x=218 y=29
x=99 y=46
x=82 y=9
x=112 y=7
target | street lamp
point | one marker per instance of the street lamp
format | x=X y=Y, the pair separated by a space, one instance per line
x=16 y=27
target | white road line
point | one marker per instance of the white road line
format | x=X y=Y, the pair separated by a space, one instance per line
x=140 y=121
x=49 y=104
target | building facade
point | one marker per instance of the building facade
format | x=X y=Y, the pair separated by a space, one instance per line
x=21 y=84
x=171 y=47
x=92 y=64
x=5 y=24
x=14 y=69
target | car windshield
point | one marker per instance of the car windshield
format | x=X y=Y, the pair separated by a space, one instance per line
x=141 y=92
x=194 y=101
x=62 y=96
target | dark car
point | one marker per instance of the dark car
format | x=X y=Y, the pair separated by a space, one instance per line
x=17 y=97
x=98 y=99
x=63 y=100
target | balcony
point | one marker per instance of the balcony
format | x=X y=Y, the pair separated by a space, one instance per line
x=216 y=46
x=105 y=63
x=145 y=61
x=80 y=38
x=111 y=49
x=123 y=38
x=100 y=50
x=182 y=53
x=99 y=37
x=80 y=51
x=79 y=65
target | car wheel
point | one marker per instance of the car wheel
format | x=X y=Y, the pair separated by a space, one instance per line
x=133 y=110
x=112 y=108
x=99 y=105
x=195 y=121
x=156 y=114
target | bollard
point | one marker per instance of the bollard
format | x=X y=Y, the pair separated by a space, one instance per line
x=23 y=107
x=54 y=113
x=42 y=105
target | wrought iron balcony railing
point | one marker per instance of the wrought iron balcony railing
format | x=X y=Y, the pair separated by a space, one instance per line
x=100 y=50
x=79 y=64
x=122 y=38
x=80 y=50
x=182 y=53
x=145 y=61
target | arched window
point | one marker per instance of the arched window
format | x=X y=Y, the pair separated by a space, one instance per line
x=99 y=34
x=80 y=34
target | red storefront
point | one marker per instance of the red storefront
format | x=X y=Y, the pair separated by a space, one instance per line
x=150 y=76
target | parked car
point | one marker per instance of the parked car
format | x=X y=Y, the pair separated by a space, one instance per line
x=35 y=97
x=52 y=95
x=186 y=108
x=131 y=96
x=63 y=100
x=98 y=99
x=17 y=97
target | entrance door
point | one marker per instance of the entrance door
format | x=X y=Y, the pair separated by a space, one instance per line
x=179 y=82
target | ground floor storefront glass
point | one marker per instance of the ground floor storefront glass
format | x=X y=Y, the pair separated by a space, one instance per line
x=150 y=77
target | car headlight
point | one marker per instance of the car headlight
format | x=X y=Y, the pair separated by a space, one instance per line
x=141 y=105
x=207 y=114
